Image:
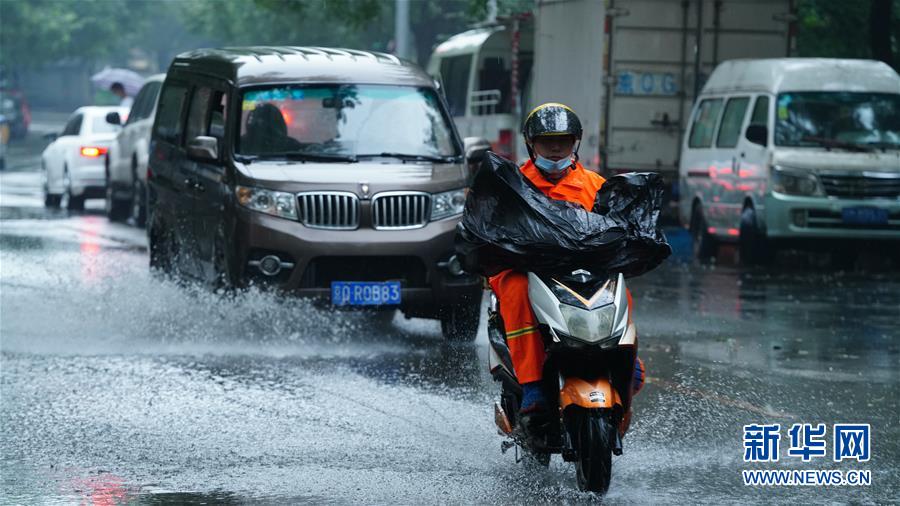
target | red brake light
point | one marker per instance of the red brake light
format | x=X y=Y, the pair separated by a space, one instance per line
x=92 y=151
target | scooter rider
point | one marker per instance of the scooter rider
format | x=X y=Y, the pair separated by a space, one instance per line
x=552 y=134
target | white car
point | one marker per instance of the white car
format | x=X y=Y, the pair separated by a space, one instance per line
x=73 y=163
x=127 y=158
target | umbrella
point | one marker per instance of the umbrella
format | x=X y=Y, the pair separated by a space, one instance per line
x=131 y=80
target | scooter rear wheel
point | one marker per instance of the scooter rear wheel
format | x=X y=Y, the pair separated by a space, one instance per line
x=592 y=436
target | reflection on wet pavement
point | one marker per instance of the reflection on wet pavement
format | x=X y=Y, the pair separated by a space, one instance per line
x=121 y=387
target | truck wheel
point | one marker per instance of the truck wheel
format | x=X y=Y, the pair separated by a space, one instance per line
x=460 y=322
x=753 y=247
x=705 y=245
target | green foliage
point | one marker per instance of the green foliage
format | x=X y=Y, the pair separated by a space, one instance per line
x=478 y=9
x=288 y=22
x=839 y=29
x=36 y=32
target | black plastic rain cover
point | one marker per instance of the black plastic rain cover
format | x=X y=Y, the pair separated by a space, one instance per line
x=509 y=224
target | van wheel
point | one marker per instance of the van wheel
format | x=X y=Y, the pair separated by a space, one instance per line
x=226 y=277
x=138 y=204
x=162 y=251
x=704 y=245
x=460 y=322
x=753 y=247
x=138 y=197
x=116 y=209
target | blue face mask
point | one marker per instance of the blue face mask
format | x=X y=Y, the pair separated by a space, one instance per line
x=549 y=166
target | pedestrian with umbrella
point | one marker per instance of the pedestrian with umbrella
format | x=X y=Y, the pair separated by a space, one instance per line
x=123 y=83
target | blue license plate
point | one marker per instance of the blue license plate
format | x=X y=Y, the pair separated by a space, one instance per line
x=864 y=216
x=365 y=293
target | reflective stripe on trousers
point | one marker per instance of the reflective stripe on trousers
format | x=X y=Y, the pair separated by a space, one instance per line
x=526 y=348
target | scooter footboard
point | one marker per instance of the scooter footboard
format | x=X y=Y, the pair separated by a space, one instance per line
x=597 y=393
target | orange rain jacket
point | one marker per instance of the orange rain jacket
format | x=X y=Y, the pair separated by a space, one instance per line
x=511 y=287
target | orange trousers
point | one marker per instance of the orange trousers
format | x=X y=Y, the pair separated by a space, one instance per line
x=526 y=348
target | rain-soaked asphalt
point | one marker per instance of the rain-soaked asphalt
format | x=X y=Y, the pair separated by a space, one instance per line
x=120 y=388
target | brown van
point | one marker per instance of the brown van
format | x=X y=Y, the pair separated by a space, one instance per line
x=330 y=173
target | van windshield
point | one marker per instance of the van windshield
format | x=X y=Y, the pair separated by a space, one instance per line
x=344 y=121
x=838 y=118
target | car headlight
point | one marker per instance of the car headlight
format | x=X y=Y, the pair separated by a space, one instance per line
x=279 y=204
x=796 y=182
x=448 y=204
x=589 y=326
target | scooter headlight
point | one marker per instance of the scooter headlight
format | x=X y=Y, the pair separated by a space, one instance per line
x=592 y=326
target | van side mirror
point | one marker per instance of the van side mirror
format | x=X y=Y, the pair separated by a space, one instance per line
x=203 y=147
x=113 y=118
x=757 y=134
x=475 y=148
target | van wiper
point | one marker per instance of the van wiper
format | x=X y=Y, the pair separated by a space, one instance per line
x=310 y=157
x=245 y=158
x=884 y=145
x=411 y=157
x=834 y=143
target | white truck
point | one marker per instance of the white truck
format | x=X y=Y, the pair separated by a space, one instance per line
x=628 y=68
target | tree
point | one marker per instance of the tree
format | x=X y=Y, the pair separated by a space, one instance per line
x=35 y=32
x=850 y=29
x=880 y=25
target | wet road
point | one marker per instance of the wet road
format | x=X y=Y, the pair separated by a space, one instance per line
x=117 y=387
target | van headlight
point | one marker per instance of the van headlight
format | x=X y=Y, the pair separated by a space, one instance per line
x=279 y=204
x=796 y=182
x=446 y=204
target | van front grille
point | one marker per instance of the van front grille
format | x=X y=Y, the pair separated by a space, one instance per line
x=863 y=186
x=329 y=210
x=400 y=210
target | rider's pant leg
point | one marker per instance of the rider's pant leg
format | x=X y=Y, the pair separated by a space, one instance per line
x=525 y=344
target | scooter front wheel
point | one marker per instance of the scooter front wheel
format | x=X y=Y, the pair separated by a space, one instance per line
x=592 y=436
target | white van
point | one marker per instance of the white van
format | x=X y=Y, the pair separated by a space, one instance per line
x=476 y=73
x=792 y=150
